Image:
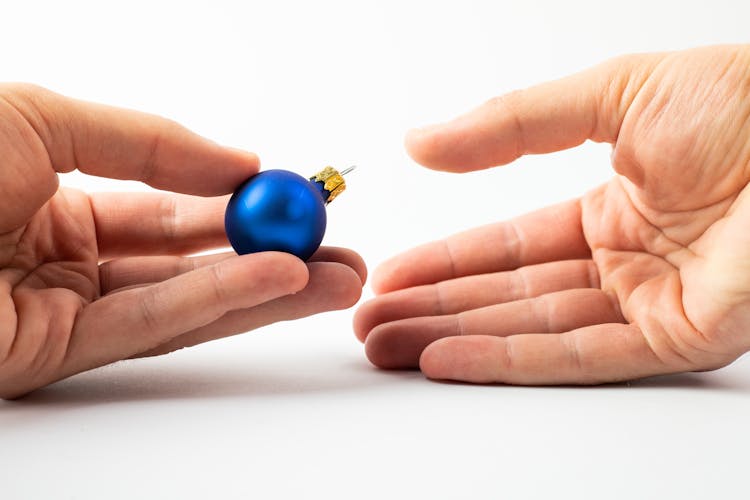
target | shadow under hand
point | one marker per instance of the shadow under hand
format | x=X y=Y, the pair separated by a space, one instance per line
x=171 y=379
x=734 y=378
x=714 y=381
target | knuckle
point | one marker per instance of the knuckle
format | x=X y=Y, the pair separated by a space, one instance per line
x=509 y=104
x=577 y=360
x=545 y=310
x=46 y=113
x=216 y=281
x=521 y=286
x=147 y=306
x=514 y=242
x=32 y=101
x=151 y=159
x=168 y=217
x=160 y=130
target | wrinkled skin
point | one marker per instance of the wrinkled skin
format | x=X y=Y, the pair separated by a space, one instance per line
x=86 y=280
x=647 y=274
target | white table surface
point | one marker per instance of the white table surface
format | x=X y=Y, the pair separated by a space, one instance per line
x=295 y=410
x=259 y=418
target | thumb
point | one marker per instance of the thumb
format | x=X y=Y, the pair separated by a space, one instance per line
x=549 y=117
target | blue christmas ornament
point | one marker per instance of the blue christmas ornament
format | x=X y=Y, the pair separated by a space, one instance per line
x=282 y=211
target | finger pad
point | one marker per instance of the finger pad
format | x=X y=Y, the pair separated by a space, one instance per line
x=438 y=147
x=338 y=285
x=468 y=359
x=343 y=256
x=424 y=264
x=401 y=304
x=400 y=344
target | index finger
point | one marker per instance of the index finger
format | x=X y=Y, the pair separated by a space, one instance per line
x=59 y=134
x=549 y=117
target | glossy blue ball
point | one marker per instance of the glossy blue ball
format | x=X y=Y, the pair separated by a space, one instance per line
x=276 y=210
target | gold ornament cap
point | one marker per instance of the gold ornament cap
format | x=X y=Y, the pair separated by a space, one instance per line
x=332 y=182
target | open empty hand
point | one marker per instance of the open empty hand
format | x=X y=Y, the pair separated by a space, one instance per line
x=647 y=274
x=86 y=280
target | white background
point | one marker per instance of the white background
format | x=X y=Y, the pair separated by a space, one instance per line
x=295 y=410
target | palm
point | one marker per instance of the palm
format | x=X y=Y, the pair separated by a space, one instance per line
x=49 y=272
x=646 y=274
x=658 y=281
x=661 y=232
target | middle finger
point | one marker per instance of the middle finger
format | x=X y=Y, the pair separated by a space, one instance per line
x=135 y=271
x=472 y=292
